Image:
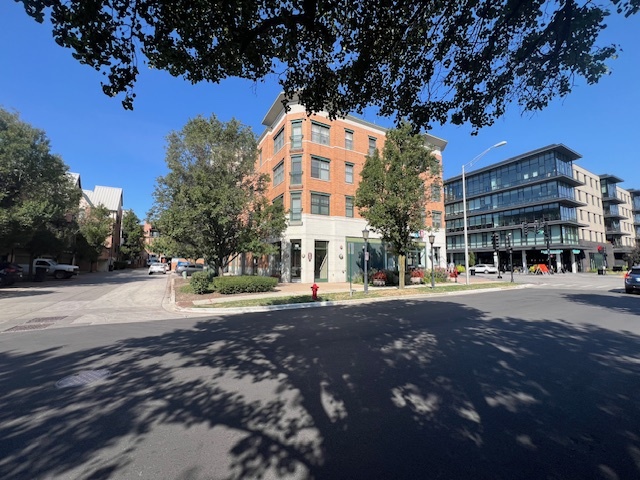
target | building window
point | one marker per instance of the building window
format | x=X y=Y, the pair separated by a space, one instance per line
x=296 y=170
x=260 y=156
x=348 y=173
x=436 y=219
x=436 y=195
x=320 y=204
x=372 y=145
x=278 y=140
x=295 y=214
x=279 y=199
x=320 y=133
x=278 y=174
x=320 y=168
x=349 y=207
x=348 y=139
x=296 y=134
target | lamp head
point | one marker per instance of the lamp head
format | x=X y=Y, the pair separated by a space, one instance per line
x=432 y=238
x=365 y=233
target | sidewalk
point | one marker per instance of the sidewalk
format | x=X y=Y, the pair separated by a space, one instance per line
x=295 y=289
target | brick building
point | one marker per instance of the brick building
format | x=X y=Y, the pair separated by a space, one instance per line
x=315 y=165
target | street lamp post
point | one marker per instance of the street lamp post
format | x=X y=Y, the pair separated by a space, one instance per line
x=432 y=238
x=464 y=206
x=365 y=235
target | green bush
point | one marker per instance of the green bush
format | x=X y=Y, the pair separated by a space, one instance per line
x=460 y=268
x=244 y=284
x=200 y=282
x=440 y=274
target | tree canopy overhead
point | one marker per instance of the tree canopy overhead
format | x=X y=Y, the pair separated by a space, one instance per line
x=426 y=61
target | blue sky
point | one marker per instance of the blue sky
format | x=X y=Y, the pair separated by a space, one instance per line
x=109 y=146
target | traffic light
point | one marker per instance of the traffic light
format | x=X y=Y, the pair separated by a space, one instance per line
x=525 y=228
x=536 y=227
x=508 y=241
x=494 y=240
x=547 y=232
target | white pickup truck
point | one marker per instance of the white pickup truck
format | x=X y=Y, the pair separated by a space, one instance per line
x=58 y=270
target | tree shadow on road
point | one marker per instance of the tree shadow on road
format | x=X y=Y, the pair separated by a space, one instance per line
x=610 y=303
x=401 y=389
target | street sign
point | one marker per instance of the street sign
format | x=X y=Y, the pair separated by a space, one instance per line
x=576 y=251
x=553 y=252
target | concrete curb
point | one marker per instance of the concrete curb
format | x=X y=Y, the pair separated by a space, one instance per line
x=270 y=308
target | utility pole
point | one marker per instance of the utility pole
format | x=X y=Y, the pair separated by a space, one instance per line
x=547 y=237
x=510 y=250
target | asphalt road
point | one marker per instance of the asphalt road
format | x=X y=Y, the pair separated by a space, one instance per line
x=536 y=383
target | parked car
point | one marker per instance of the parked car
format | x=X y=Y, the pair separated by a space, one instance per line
x=632 y=279
x=158 y=267
x=190 y=268
x=10 y=273
x=47 y=266
x=483 y=268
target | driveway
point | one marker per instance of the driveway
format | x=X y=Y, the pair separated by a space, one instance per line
x=90 y=298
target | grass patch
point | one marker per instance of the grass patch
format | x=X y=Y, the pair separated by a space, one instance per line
x=332 y=297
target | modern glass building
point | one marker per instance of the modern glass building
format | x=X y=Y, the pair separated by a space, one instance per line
x=535 y=188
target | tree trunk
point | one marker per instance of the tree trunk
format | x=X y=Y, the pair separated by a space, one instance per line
x=401 y=262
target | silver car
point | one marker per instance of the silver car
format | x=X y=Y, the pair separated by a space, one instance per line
x=157 y=267
x=484 y=268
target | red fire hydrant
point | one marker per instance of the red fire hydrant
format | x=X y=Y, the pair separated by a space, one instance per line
x=314 y=291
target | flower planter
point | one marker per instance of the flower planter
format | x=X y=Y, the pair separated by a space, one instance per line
x=416 y=280
x=379 y=282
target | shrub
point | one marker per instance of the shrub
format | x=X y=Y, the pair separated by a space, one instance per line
x=244 y=284
x=417 y=273
x=200 y=282
x=440 y=274
x=460 y=268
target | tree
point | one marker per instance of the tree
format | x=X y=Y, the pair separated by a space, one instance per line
x=95 y=226
x=633 y=258
x=424 y=61
x=393 y=192
x=212 y=203
x=36 y=193
x=133 y=236
x=472 y=259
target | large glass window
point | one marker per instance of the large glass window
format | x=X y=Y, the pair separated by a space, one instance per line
x=296 y=170
x=320 y=168
x=545 y=165
x=349 y=206
x=348 y=173
x=296 y=134
x=278 y=174
x=295 y=213
x=348 y=139
x=278 y=140
x=320 y=204
x=320 y=133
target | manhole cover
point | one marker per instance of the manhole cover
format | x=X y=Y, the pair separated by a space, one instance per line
x=33 y=326
x=46 y=319
x=83 y=378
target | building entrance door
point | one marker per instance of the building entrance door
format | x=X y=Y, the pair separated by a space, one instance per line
x=321 y=264
x=296 y=261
